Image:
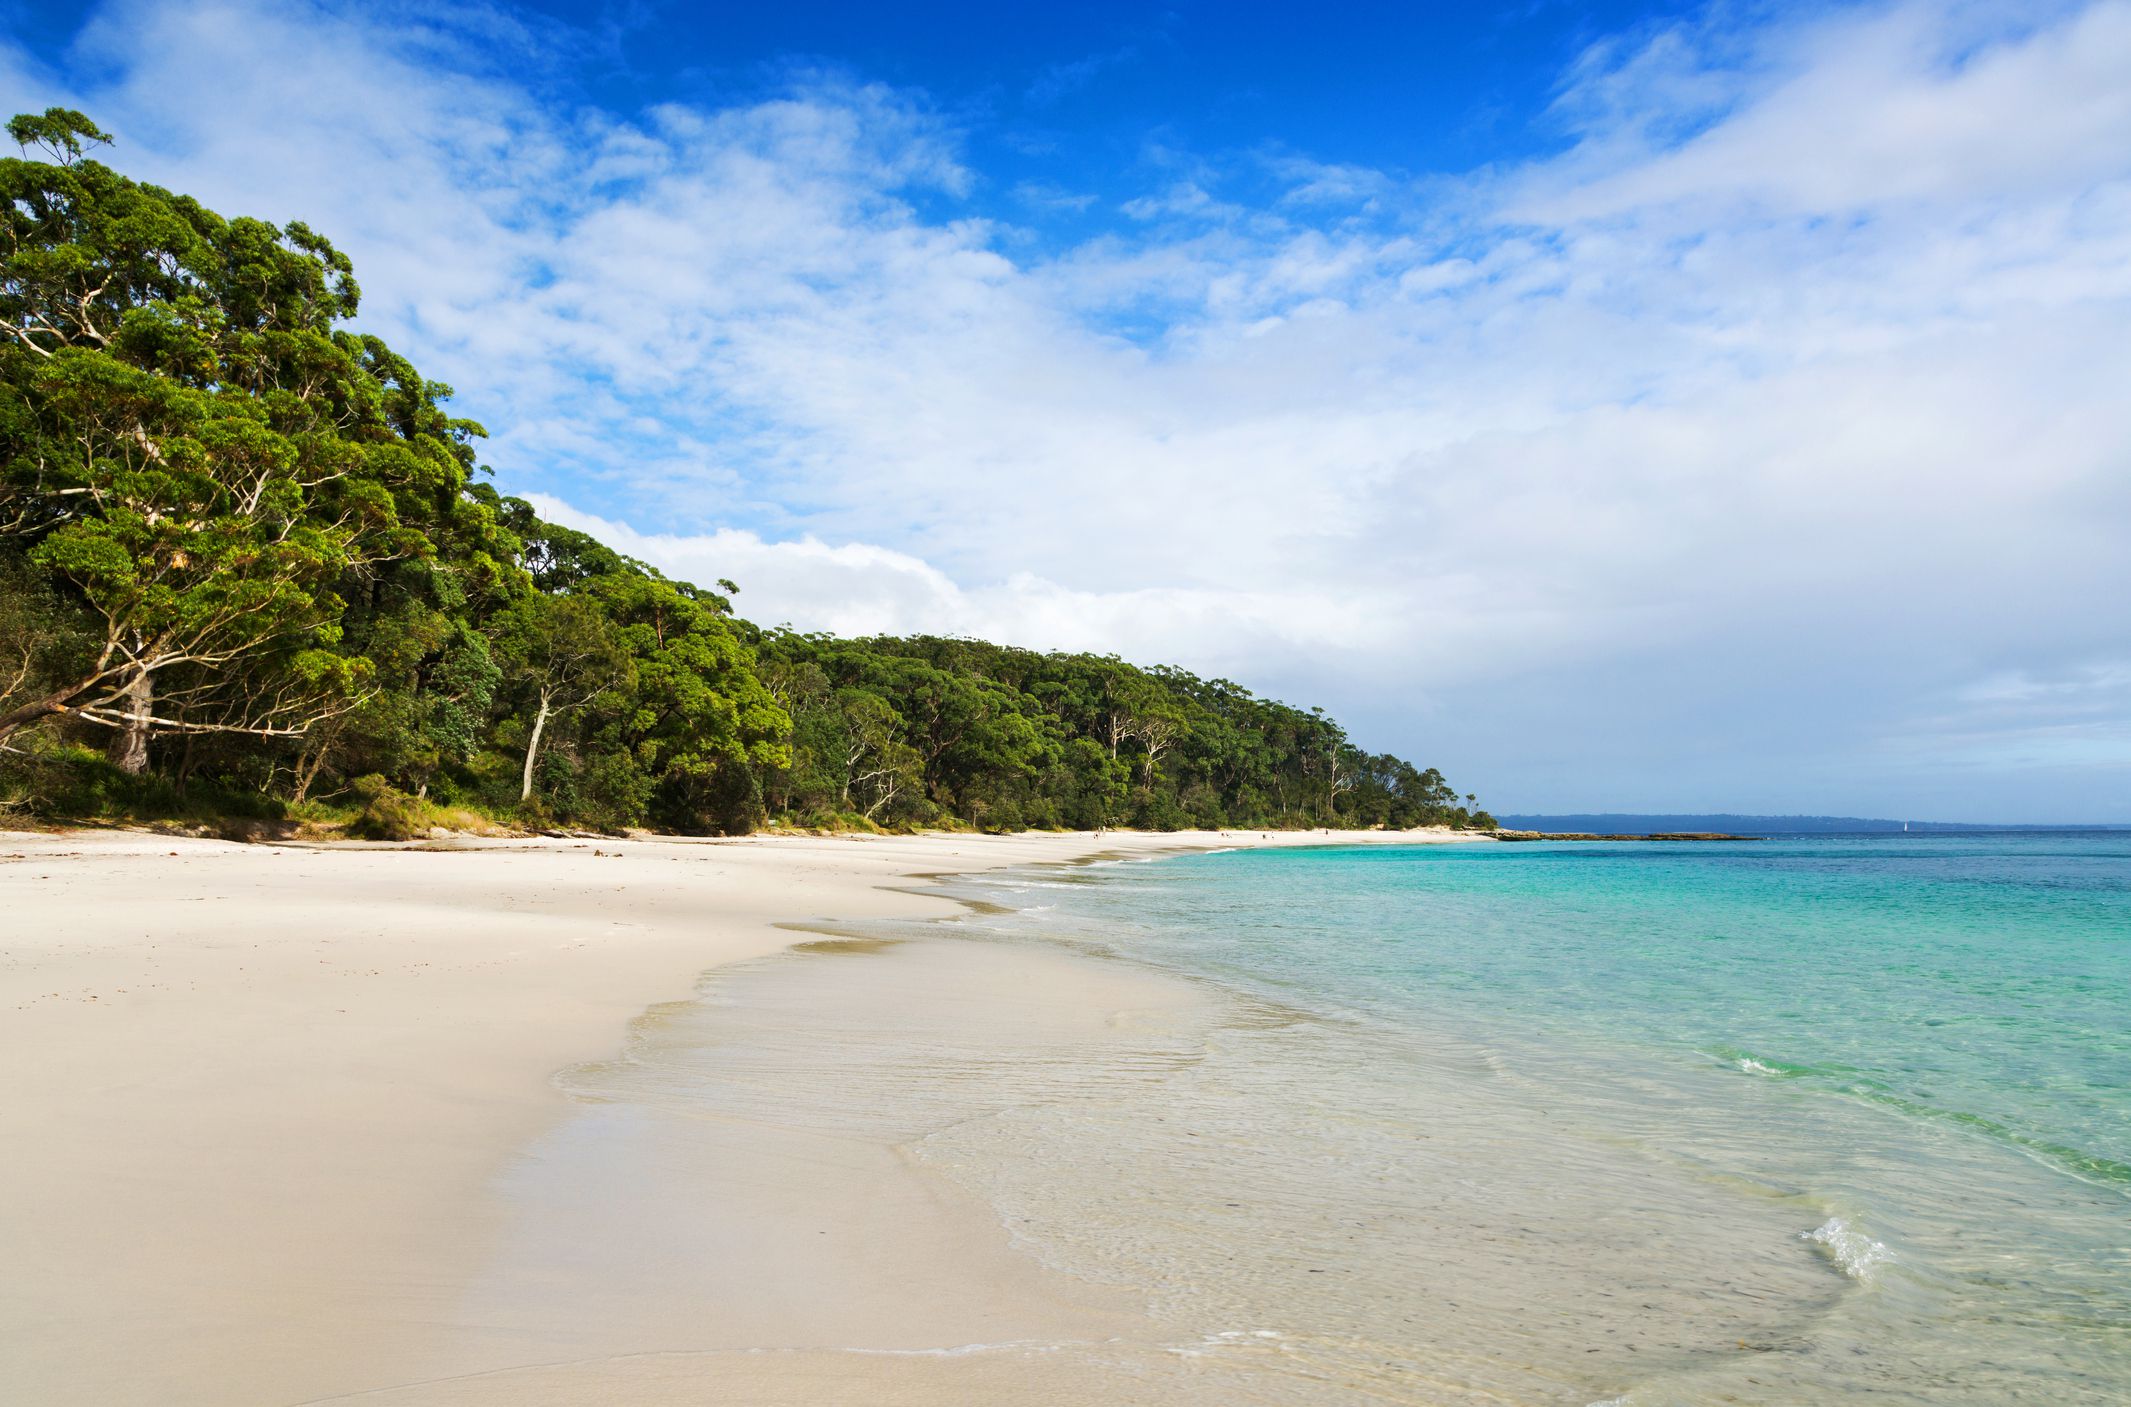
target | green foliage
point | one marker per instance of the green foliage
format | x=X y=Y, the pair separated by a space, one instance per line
x=929 y=730
x=62 y=132
x=194 y=448
x=246 y=549
x=63 y=781
x=42 y=639
x=384 y=812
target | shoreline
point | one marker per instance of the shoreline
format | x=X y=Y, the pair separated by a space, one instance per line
x=264 y=1091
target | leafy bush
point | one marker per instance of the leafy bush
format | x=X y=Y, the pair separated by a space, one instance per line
x=70 y=782
x=385 y=812
x=1004 y=818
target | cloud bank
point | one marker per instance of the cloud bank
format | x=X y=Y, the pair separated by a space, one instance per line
x=1735 y=455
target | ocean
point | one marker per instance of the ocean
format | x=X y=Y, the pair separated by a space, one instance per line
x=1781 y=1122
x=1862 y=1103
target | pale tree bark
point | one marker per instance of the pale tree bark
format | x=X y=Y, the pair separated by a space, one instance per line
x=854 y=754
x=1155 y=735
x=119 y=693
x=129 y=747
x=891 y=786
x=532 y=746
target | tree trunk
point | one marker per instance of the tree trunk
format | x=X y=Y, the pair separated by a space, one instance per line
x=307 y=768
x=129 y=750
x=532 y=750
x=1156 y=746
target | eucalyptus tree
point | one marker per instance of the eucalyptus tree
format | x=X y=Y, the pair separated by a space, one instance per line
x=191 y=443
x=701 y=721
x=564 y=654
x=878 y=766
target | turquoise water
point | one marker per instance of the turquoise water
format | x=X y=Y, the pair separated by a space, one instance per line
x=1798 y=1121
x=1916 y=1049
x=1984 y=982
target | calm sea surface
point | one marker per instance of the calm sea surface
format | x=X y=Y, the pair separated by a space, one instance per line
x=1798 y=1120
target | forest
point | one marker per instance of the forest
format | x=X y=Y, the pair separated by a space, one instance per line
x=251 y=567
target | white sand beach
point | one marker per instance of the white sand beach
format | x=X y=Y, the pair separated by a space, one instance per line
x=263 y=1105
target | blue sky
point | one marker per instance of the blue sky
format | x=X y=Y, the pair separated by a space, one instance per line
x=1078 y=97
x=1630 y=407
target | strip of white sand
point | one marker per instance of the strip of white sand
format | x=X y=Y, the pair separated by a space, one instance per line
x=256 y=1100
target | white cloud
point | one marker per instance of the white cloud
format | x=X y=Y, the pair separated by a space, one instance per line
x=858 y=589
x=2076 y=719
x=1919 y=101
x=1795 y=382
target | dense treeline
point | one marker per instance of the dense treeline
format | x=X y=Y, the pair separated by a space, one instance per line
x=247 y=563
x=1005 y=738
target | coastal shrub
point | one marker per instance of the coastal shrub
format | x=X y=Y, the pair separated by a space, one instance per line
x=727 y=800
x=1201 y=806
x=1004 y=818
x=832 y=821
x=384 y=812
x=613 y=791
x=67 y=781
x=63 y=782
x=1158 y=811
x=460 y=818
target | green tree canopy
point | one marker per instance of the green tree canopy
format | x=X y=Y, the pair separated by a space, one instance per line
x=194 y=445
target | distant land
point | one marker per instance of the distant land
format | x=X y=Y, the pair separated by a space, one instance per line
x=1633 y=823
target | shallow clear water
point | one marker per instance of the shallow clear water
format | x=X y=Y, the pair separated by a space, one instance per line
x=1796 y=1121
x=1902 y=1061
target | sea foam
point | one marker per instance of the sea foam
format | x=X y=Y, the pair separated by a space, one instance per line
x=1856 y=1254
